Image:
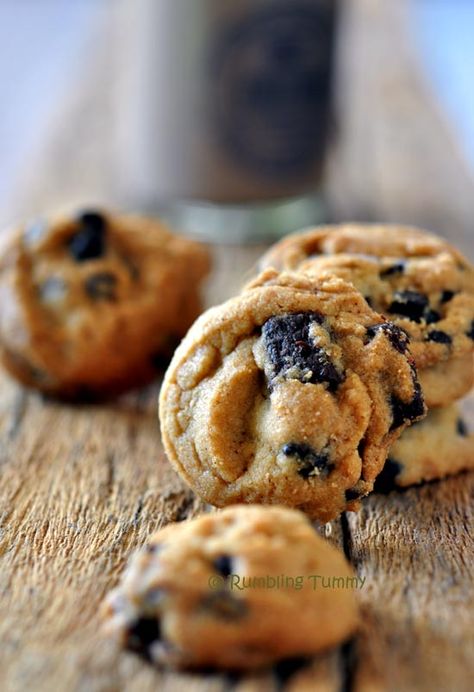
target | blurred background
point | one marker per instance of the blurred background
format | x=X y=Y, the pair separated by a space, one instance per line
x=84 y=86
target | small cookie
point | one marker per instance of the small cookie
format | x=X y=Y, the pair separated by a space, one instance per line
x=237 y=589
x=413 y=278
x=90 y=304
x=290 y=393
x=440 y=445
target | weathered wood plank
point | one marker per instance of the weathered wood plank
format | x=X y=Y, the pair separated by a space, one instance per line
x=416 y=550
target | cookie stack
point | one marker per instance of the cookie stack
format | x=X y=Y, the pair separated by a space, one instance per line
x=426 y=287
x=336 y=370
x=298 y=390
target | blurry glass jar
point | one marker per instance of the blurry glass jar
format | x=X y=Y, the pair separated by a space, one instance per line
x=226 y=112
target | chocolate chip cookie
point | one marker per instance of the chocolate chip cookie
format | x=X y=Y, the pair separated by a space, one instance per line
x=290 y=393
x=414 y=278
x=440 y=445
x=91 y=303
x=236 y=589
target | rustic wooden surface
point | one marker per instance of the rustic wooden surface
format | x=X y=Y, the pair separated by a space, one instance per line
x=81 y=487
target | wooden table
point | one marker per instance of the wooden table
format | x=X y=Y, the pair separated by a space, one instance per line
x=82 y=487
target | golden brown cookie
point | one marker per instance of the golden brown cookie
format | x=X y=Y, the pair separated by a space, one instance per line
x=89 y=304
x=440 y=445
x=237 y=589
x=290 y=393
x=415 y=279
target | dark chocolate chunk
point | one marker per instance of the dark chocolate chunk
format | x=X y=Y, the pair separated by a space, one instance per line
x=223 y=565
x=352 y=494
x=461 y=428
x=446 y=296
x=398 y=338
x=397 y=268
x=102 y=286
x=142 y=634
x=470 y=331
x=431 y=316
x=225 y=605
x=438 y=337
x=91 y=219
x=89 y=240
x=410 y=304
x=403 y=412
x=288 y=344
x=309 y=461
x=385 y=481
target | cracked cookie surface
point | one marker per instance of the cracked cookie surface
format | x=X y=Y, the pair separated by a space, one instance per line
x=89 y=304
x=417 y=280
x=290 y=393
x=200 y=592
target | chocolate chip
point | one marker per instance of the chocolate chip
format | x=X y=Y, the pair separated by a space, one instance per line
x=352 y=494
x=397 y=268
x=309 y=461
x=410 y=304
x=101 y=286
x=470 y=332
x=397 y=337
x=439 y=337
x=461 y=428
x=288 y=344
x=89 y=240
x=92 y=219
x=446 y=296
x=403 y=412
x=142 y=634
x=223 y=565
x=385 y=481
x=224 y=605
x=431 y=316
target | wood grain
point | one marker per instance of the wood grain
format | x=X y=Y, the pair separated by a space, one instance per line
x=82 y=487
x=416 y=549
